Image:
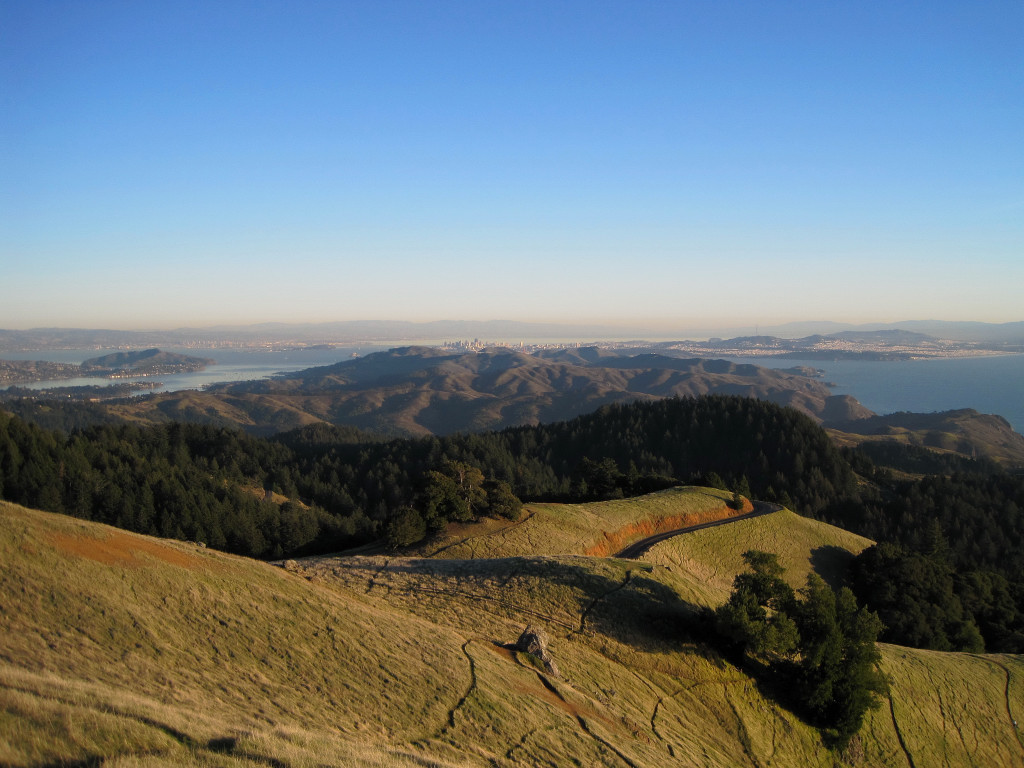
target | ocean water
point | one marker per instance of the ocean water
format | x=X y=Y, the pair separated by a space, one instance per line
x=987 y=384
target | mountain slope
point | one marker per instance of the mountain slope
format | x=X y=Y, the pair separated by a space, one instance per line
x=122 y=649
x=419 y=391
x=963 y=431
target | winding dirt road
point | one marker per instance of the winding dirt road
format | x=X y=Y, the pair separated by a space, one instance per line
x=638 y=548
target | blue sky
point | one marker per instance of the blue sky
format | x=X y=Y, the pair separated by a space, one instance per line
x=681 y=164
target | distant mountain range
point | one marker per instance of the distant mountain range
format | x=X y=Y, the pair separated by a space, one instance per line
x=885 y=344
x=397 y=331
x=1002 y=333
x=414 y=391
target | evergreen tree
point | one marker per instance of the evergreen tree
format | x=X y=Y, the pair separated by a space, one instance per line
x=837 y=679
x=501 y=502
x=820 y=646
x=756 y=619
x=405 y=527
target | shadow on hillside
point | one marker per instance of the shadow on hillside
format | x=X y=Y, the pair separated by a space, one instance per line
x=626 y=603
x=831 y=562
x=645 y=613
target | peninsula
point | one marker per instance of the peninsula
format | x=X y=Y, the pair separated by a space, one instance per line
x=118 y=365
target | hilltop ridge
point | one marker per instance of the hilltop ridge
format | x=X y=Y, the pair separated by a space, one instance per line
x=964 y=431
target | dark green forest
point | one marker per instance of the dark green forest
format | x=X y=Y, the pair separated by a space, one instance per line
x=948 y=572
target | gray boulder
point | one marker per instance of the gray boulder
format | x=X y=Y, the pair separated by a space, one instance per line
x=535 y=642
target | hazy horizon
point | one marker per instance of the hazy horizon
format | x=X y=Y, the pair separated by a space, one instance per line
x=490 y=331
x=640 y=165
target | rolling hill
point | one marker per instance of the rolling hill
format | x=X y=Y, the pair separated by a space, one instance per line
x=597 y=529
x=120 y=649
x=712 y=557
x=421 y=391
x=144 y=361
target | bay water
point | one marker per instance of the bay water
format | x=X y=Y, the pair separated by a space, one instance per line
x=988 y=384
x=231 y=365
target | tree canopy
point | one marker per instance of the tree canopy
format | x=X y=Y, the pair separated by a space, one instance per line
x=819 y=645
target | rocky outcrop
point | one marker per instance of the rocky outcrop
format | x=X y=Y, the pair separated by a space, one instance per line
x=534 y=642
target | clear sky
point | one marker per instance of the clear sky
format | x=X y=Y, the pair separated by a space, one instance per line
x=684 y=163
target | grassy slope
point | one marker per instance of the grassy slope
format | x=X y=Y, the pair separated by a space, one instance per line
x=597 y=528
x=715 y=555
x=949 y=709
x=115 y=644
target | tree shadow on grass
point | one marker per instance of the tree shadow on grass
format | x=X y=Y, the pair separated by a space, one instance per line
x=831 y=563
x=625 y=602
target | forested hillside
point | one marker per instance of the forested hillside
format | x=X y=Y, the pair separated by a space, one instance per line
x=953 y=535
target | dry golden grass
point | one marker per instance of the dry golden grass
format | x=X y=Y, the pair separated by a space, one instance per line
x=598 y=529
x=210 y=646
x=713 y=556
x=123 y=650
x=948 y=709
